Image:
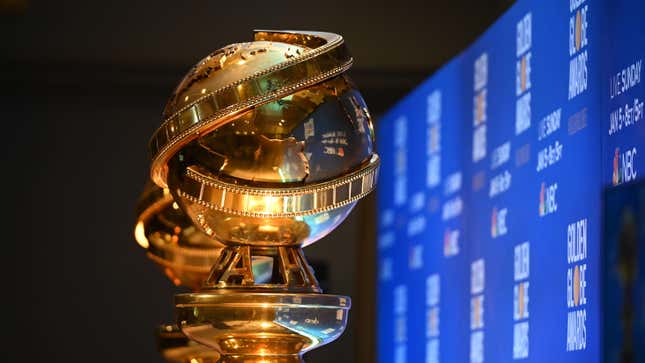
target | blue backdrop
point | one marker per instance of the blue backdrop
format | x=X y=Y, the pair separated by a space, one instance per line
x=491 y=187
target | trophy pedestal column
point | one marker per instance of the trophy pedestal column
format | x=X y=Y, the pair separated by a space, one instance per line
x=234 y=270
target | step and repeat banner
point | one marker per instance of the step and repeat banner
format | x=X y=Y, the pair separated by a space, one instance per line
x=491 y=187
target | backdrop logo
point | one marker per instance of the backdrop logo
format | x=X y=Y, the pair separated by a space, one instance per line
x=477 y=285
x=623 y=166
x=548 y=156
x=480 y=104
x=500 y=155
x=453 y=206
x=617 y=174
x=550 y=124
x=433 y=149
x=577 y=285
x=578 y=42
x=523 y=74
x=499 y=183
x=400 y=160
x=498 y=222
x=521 y=301
x=631 y=112
x=581 y=28
x=400 y=323
x=548 y=204
x=433 y=320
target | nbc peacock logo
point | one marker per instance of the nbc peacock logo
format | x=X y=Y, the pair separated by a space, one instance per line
x=548 y=200
x=624 y=166
x=616 y=175
x=498 y=222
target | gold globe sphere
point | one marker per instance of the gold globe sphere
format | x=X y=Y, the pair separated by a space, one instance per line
x=285 y=172
x=296 y=144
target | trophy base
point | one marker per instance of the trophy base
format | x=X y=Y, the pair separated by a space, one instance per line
x=261 y=359
x=258 y=327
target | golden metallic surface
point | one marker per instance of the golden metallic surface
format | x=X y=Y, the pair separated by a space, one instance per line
x=310 y=136
x=265 y=148
x=184 y=252
x=175 y=347
x=286 y=173
x=303 y=200
x=238 y=214
x=290 y=324
x=298 y=231
x=239 y=77
x=290 y=273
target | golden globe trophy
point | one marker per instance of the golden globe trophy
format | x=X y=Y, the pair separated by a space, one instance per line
x=265 y=148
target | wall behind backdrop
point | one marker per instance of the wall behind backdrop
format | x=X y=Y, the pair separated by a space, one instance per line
x=83 y=86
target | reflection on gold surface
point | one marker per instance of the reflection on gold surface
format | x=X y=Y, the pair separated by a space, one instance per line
x=184 y=253
x=175 y=347
x=140 y=236
x=291 y=324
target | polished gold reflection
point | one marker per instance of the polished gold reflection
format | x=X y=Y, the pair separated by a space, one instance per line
x=184 y=252
x=284 y=160
x=290 y=324
x=175 y=347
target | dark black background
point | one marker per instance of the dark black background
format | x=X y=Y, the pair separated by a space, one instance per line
x=82 y=86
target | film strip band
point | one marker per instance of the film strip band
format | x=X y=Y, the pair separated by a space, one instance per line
x=276 y=203
x=329 y=59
